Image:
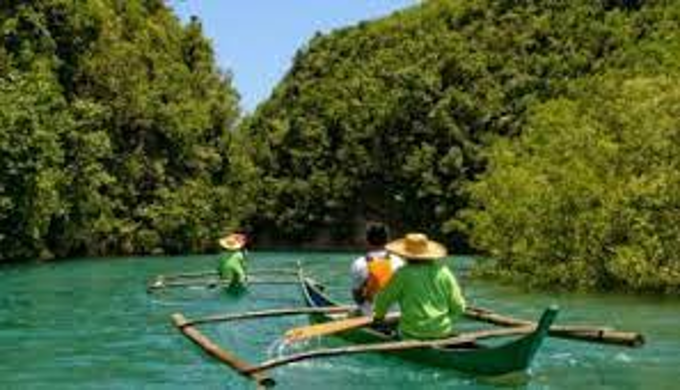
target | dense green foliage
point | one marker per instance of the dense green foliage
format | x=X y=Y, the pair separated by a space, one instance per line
x=392 y=119
x=544 y=135
x=589 y=195
x=114 y=131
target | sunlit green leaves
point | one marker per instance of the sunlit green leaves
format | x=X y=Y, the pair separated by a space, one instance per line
x=33 y=119
x=587 y=196
x=115 y=120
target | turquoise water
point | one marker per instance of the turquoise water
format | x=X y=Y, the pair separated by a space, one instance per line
x=90 y=324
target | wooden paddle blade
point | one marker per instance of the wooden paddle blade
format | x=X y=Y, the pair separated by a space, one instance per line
x=326 y=328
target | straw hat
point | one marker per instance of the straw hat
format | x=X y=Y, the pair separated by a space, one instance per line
x=234 y=241
x=416 y=246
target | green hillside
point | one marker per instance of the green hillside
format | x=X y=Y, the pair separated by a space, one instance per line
x=394 y=119
x=543 y=135
x=113 y=130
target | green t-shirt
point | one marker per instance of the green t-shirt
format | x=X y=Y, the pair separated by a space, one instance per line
x=429 y=298
x=233 y=267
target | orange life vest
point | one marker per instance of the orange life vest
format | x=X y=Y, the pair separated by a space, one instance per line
x=379 y=274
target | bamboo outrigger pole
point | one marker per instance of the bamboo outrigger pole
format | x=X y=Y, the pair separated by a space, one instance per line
x=211 y=283
x=187 y=327
x=240 y=366
x=188 y=275
x=268 y=313
x=390 y=346
x=200 y=274
x=574 y=332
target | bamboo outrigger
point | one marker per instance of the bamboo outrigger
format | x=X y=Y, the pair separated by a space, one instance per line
x=462 y=353
x=467 y=352
x=209 y=279
x=188 y=328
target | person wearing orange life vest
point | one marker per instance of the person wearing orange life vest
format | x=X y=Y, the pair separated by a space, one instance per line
x=371 y=272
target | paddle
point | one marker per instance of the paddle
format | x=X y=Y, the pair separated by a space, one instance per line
x=332 y=327
x=326 y=328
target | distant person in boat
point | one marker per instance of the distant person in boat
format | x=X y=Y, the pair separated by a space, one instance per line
x=232 y=263
x=425 y=290
x=371 y=272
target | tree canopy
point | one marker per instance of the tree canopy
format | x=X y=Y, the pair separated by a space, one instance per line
x=588 y=196
x=114 y=130
x=541 y=135
x=394 y=119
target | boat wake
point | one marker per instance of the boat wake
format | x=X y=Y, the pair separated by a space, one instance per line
x=280 y=347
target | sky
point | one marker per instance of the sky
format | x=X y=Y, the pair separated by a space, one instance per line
x=257 y=39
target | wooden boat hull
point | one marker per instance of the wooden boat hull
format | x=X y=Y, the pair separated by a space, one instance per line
x=512 y=356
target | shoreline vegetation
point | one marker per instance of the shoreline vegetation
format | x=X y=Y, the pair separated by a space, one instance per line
x=543 y=137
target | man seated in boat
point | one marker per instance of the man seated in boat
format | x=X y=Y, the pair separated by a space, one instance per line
x=371 y=272
x=425 y=290
x=232 y=263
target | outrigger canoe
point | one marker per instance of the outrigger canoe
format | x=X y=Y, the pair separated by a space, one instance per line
x=476 y=358
x=483 y=352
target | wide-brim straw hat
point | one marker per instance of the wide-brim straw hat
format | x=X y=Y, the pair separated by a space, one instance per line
x=416 y=246
x=234 y=241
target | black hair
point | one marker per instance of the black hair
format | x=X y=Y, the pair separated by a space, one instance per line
x=376 y=234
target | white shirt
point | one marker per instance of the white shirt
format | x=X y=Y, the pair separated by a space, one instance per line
x=359 y=273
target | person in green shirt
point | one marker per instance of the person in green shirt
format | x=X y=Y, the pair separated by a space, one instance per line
x=232 y=263
x=426 y=290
